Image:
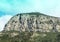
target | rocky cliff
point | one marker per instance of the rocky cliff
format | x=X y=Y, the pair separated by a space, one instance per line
x=36 y=22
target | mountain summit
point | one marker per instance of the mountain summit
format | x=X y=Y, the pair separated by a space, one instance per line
x=35 y=22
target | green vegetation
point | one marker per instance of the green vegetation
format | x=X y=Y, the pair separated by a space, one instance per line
x=30 y=37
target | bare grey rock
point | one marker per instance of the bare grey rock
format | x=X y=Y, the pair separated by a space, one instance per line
x=36 y=22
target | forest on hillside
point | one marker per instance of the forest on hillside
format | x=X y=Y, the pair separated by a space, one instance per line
x=30 y=37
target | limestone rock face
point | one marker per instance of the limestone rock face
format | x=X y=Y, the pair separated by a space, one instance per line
x=36 y=22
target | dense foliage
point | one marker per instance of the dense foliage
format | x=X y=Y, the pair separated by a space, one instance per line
x=31 y=37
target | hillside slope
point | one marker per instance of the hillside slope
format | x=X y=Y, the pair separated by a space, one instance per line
x=36 y=22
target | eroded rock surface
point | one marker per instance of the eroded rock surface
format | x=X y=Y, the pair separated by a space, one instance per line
x=33 y=22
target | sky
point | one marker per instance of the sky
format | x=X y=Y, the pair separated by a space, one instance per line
x=8 y=8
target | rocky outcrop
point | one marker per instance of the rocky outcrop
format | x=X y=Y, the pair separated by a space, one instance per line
x=36 y=22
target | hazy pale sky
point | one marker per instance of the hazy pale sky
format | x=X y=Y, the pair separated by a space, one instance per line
x=8 y=8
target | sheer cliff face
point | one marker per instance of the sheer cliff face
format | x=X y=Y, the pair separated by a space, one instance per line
x=33 y=22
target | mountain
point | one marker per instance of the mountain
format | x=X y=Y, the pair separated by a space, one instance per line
x=31 y=27
x=33 y=22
